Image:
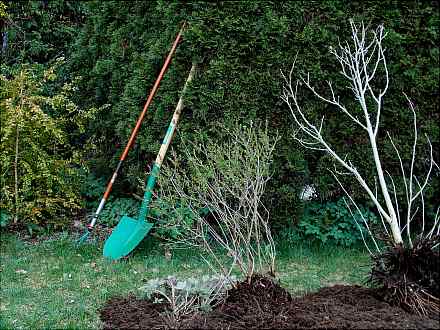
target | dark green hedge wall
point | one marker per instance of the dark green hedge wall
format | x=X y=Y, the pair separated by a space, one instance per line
x=38 y=31
x=241 y=47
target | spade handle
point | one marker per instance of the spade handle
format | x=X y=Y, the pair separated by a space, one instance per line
x=163 y=150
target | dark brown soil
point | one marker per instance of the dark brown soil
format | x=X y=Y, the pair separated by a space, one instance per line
x=265 y=304
x=133 y=313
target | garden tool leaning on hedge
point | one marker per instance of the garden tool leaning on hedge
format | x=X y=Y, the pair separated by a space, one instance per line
x=130 y=232
x=132 y=137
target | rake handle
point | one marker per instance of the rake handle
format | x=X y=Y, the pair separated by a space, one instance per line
x=152 y=93
x=136 y=128
x=163 y=150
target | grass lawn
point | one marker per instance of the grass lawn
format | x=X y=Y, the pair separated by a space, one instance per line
x=54 y=284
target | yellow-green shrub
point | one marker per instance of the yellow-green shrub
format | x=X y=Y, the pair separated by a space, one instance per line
x=39 y=174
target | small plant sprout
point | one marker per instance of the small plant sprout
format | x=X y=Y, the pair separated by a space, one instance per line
x=187 y=296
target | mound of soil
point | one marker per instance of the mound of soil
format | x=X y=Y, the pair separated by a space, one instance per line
x=133 y=313
x=264 y=304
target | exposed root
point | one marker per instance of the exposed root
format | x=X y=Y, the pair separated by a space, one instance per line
x=413 y=298
x=410 y=277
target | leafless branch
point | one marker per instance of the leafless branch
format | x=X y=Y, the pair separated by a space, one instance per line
x=360 y=60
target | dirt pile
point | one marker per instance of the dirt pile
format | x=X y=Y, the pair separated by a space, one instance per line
x=254 y=305
x=264 y=304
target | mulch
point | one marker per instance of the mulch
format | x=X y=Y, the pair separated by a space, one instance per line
x=265 y=304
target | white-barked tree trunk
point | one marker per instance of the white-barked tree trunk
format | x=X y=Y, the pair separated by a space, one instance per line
x=360 y=59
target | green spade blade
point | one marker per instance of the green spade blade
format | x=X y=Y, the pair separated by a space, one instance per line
x=125 y=237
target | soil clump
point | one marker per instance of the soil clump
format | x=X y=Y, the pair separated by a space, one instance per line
x=264 y=304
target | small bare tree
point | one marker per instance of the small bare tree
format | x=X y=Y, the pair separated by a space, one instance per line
x=360 y=61
x=229 y=180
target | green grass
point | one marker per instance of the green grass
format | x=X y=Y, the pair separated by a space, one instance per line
x=54 y=284
x=305 y=268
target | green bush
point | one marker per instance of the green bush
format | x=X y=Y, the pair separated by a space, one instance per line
x=331 y=222
x=240 y=47
x=116 y=208
x=39 y=167
x=173 y=222
x=39 y=31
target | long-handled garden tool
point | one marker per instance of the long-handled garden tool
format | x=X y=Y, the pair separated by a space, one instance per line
x=132 y=137
x=130 y=232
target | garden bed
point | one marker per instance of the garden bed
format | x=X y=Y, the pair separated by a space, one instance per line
x=264 y=304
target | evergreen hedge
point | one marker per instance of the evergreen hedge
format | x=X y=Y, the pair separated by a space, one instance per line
x=241 y=46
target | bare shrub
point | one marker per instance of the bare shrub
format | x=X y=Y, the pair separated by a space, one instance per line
x=227 y=179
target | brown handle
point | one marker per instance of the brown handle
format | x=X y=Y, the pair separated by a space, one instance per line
x=136 y=128
x=152 y=93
